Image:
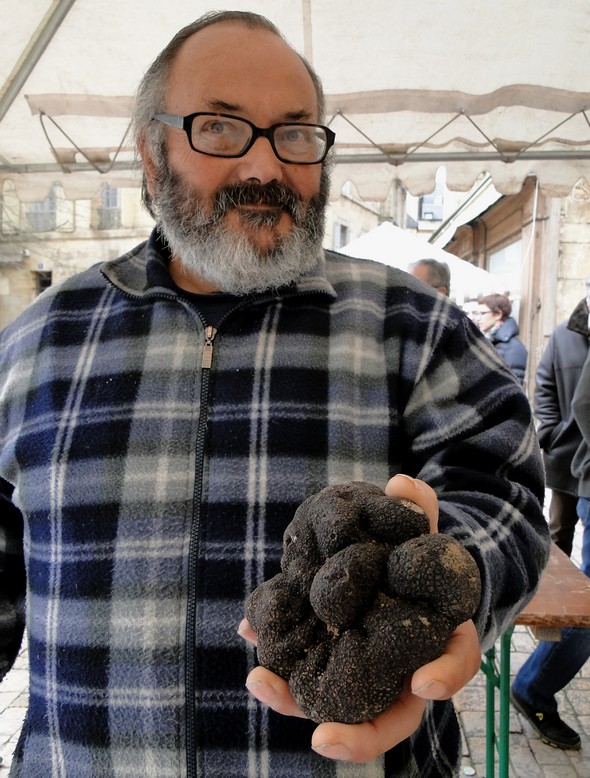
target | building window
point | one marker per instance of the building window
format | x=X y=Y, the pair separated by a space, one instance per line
x=9 y=209
x=430 y=206
x=341 y=235
x=109 y=209
x=42 y=280
x=42 y=216
x=505 y=265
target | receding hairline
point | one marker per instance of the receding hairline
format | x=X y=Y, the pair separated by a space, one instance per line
x=249 y=20
x=226 y=34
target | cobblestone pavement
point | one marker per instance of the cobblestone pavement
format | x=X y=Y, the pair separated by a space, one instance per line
x=13 y=706
x=529 y=757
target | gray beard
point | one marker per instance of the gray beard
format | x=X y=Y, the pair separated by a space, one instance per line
x=226 y=257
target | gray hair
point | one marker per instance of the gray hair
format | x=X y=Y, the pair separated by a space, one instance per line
x=151 y=92
x=439 y=273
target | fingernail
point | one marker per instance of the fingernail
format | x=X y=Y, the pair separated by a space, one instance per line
x=433 y=690
x=417 y=484
x=333 y=751
x=263 y=692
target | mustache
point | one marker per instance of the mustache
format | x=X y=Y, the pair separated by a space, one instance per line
x=273 y=194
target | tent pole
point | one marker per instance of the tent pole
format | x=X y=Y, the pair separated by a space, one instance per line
x=33 y=52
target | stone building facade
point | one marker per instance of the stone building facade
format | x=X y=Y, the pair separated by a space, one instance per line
x=42 y=243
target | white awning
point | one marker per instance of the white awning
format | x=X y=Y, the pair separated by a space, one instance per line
x=498 y=87
x=399 y=248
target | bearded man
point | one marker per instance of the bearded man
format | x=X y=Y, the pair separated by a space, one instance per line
x=163 y=415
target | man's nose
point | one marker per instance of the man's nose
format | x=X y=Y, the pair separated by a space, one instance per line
x=260 y=163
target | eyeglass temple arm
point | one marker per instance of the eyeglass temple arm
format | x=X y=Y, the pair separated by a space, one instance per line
x=171 y=119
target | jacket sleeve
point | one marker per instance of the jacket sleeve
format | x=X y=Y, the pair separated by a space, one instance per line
x=12 y=579
x=581 y=408
x=471 y=436
x=546 y=399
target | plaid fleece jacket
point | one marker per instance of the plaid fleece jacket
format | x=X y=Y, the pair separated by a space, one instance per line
x=150 y=465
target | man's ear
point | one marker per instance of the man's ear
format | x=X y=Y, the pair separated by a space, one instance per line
x=149 y=166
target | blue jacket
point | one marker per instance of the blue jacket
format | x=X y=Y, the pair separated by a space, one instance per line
x=146 y=491
x=510 y=347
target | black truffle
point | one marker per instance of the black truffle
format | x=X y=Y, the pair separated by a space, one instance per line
x=364 y=598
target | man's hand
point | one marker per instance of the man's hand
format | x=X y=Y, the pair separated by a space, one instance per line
x=437 y=680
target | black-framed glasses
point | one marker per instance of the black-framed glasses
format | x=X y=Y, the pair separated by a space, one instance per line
x=224 y=135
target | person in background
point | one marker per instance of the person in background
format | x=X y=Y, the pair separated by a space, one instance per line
x=432 y=272
x=163 y=415
x=581 y=460
x=553 y=664
x=469 y=308
x=493 y=318
x=556 y=380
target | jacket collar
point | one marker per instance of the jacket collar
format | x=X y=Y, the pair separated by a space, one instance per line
x=508 y=329
x=578 y=321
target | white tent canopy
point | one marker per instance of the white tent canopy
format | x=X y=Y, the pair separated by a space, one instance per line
x=399 y=248
x=499 y=86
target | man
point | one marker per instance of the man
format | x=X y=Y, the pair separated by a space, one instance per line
x=556 y=379
x=432 y=272
x=581 y=462
x=552 y=665
x=164 y=415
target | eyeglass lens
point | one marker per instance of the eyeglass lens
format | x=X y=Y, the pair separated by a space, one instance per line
x=228 y=137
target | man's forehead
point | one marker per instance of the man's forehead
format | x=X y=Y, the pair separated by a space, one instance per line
x=222 y=46
x=231 y=63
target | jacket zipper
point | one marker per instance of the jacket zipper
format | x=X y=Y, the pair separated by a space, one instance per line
x=207 y=358
x=191 y=614
x=191 y=610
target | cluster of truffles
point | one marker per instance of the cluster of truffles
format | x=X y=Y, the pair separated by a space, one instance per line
x=364 y=598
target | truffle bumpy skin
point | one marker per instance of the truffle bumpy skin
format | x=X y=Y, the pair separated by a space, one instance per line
x=364 y=598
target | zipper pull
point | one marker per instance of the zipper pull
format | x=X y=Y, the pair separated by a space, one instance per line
x=210 y=333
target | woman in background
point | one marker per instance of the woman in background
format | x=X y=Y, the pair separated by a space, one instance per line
x=493 y=318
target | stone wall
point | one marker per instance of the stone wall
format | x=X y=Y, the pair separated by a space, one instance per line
x=574 y=249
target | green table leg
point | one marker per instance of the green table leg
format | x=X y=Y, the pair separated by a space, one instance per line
x=498 y=678
x=489 y=668
x=504 y=737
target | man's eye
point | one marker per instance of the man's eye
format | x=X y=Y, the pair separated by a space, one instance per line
x=296 y=135
x=217 y=128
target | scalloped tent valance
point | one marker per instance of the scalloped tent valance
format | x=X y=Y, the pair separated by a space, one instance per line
x=496 y=87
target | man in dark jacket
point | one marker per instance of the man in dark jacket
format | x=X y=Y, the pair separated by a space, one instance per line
x=557 y=376
x=581 y=461
x=553 y=664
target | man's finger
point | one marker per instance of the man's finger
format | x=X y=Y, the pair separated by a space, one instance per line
x=445 y=676
x=272 y=690
x=365 y=742
x=416 y=491
x=245 y=631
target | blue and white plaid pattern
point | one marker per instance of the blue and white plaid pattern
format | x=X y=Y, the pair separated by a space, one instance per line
x=155 y=494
